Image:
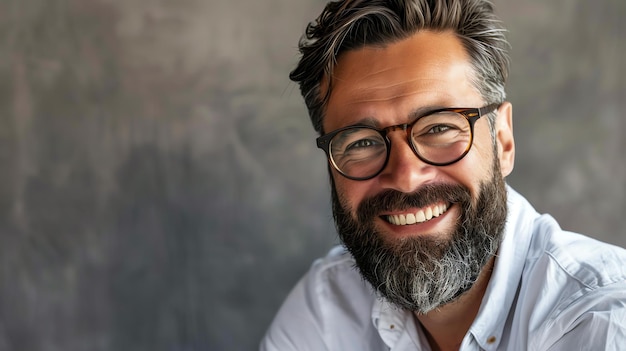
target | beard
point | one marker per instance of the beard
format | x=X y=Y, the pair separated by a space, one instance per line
x=425 y=272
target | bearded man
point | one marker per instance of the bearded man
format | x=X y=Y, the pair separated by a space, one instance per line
x=408 y=97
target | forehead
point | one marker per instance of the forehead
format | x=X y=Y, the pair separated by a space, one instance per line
x=387 y=83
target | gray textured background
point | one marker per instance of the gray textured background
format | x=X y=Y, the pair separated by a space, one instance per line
x=160 y=188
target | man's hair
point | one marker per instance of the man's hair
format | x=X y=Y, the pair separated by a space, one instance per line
x=352 y=24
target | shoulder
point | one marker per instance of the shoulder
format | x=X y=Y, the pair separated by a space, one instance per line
x=587 y=261
x=334 y=275
x=577 y=286
x=331 y=296
x=557 y=260
x=593 y=319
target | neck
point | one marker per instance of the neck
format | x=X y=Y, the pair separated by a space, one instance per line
x=446 y=326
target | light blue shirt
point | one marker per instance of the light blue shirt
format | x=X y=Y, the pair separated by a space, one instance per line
x=550 y=290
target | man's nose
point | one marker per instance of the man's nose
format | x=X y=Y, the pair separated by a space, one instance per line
x=404 y=171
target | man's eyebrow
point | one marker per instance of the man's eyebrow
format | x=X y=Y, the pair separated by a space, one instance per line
x=367 y=121
x=423 y=111
x=413 y=115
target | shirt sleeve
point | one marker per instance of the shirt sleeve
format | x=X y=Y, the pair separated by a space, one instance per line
x=297 y=325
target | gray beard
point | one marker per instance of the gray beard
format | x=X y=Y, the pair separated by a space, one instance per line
x=423 y=273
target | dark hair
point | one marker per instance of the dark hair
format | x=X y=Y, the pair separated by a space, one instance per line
x=352 y=24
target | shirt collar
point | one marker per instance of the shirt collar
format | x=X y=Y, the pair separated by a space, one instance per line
x=489 y=324
x=397 y=328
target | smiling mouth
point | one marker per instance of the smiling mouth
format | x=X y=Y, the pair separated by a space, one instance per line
x=421 y=216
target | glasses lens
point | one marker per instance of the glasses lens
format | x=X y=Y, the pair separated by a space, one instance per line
x=441 y=137
x=358 y=152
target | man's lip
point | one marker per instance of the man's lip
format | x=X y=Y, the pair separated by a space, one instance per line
x=416 y=216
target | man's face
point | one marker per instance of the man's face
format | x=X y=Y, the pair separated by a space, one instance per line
x=422 y=265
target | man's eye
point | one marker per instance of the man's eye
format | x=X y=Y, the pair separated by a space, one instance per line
x=441 y=128
x=362 y=143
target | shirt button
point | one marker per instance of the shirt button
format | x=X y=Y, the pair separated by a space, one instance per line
x=392 y=326
x=491 y=340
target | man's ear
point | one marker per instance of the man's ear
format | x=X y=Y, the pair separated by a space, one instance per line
x=504 y=138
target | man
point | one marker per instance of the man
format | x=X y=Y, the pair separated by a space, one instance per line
x=408 y=97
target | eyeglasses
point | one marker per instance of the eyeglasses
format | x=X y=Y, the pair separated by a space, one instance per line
x=440 y=138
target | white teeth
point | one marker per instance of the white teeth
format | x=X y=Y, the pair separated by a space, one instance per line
x=418 y=217
x=410 y=218
x=429 y=213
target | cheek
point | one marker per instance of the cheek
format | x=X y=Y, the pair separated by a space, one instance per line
x=351 y=193
x=482 y=153
x=476 y=167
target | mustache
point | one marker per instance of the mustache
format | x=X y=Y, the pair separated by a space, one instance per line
x=426 y=195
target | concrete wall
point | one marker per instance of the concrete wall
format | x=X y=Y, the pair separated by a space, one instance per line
x=160 y=186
